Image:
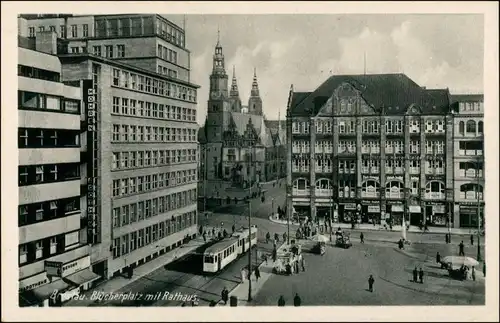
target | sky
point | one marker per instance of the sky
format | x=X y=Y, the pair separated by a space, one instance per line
x=434 y=50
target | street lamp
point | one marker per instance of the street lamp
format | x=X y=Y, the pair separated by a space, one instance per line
x=478 y=213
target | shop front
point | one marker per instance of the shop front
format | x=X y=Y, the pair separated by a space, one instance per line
x=435 y=214
x=347 y=212
x=395 y=210
x=370 y=211
x=468 y=215
x=415 y=215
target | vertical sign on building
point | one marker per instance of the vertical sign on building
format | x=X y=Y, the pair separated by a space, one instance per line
x=90 y=101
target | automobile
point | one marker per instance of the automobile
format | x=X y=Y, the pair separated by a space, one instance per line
x=343 y=240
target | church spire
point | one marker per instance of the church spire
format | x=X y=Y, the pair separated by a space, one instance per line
x=218 y=59
x=234 y=85
x=255 y=85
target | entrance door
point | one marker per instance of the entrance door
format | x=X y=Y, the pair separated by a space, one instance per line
x=219 y=263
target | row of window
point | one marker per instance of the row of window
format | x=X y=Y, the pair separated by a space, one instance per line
x=370 y=126
x=48 y=247
x=391 y=146
x=471 y=128
x=169 y=33
x=150 y=85
x=133 y=133
x=47 y=138
x=109 y=51
x=369 y=165
x=132 y=107
x=48 y=173
x=139 y=211
x=143 y=237
x=123 y=27
x=167 y=71
x=32 y=100
x=47 y=210
x=38 y=73
x=62 y=30
x=141 y=184
x=152 y=158
x=167 y=54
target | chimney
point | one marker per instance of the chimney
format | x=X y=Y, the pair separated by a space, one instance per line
x=46 y=42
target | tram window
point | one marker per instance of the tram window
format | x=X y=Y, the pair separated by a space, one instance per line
x=209 y=259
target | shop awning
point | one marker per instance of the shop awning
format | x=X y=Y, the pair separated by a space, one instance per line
x=415 y=209
x=82 y=277
x=42 y=293
x=396 y=208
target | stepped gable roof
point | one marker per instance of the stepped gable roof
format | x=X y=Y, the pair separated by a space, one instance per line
x=394 y=92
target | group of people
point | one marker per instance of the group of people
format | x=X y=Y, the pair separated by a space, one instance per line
x=418 y=275
x=296 y=300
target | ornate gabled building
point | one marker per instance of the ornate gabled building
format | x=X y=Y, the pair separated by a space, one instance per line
x=371 y=148
x=236 y=145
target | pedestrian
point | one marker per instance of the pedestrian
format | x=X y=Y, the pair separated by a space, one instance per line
x=225 y=233
x=370 y=283
x=225 y=294
x=234 y=228
x=484 y=269
x=296 y=300
x=265 y=258
x=281 y=301
x=268 y=237
x=471 y=239
x=257 y=274
x=201 y=229
x=473 y=273
x=275 y=254
x=303 y=262
x=415 y=274
x=204 y=236
x=461 y=249
x=213 y=232
x=219 y=235
x=362 y=237
x=276 y=237
x=284 y=236
x=297 y=267
x=421 y=275
x=446 y=238
x=438 y=258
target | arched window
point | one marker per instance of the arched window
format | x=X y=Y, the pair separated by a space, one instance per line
x=324 y=187
x=301 y=184
x=434 y=190
x=480 y=128
x=461 y=128
x=370 y=188
x=471 y=127
x=471 y=191
x=394 y=189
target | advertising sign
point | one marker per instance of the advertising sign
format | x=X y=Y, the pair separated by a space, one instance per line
x=53 y=268
x=90 y=103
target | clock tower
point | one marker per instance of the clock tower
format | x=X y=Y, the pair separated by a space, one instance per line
x=218 y=110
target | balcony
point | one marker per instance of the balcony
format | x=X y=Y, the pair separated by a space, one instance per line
x=395 y=195
x=434 y=171
x=45 y=119
x=370 y=194
x=470 y=152
x=347 y=194
x=415 y=170
x=471 y=173
x=37 y=156
x=435 y=195
x=471 y=196
x=324 y=192
x=50 y=228
x=399 y=170
x=303 y=192
x=49 y=191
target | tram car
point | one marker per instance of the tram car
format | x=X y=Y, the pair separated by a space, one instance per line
x=222 y=253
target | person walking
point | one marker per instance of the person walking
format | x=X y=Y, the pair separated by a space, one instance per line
x=446 y=239
x=371 y=280
x=473 y=273
x=268 y=237
x=303 y=263
x=225 y=295
x=284 y=237
x=281 y=301
x=204 y=236
x=461 y=249
x=234 y=228
x=257 y=274
x=213 y=232
x=276 y=237
x=275 y=254
x=415 y=274
x=438 y=258
x=296 y=300
x=471 y=239
x=297 y=267
x=421 y=275
x=224 y=233
x=362 y=237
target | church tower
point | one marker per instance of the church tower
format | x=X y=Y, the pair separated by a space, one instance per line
x=218 y=110
x=255 y=102
x=234 y=94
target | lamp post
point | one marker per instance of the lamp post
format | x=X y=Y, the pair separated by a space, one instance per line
x=250 y=234
x=478 y=213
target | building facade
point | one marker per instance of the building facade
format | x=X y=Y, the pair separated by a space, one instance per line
x=139 y=137
x=53 y=251
x=468 y=150
x=371 y=148
x=237 y=145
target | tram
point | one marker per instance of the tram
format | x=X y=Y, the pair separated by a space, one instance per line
x=222 y=253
